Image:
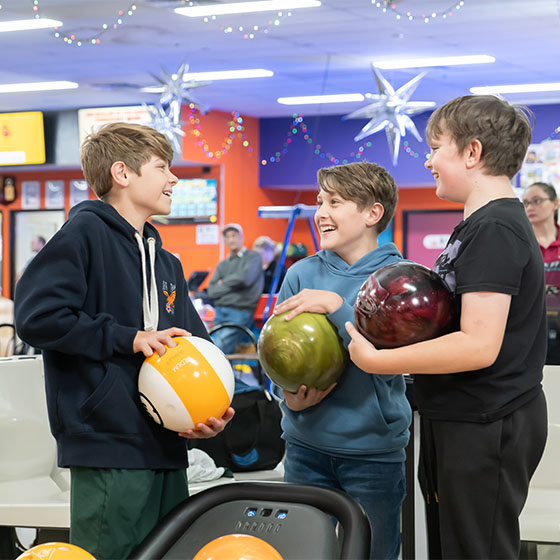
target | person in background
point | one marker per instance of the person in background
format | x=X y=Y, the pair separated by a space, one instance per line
x=235 y=287
x=267 y=248
x=541 y=205
x=37 y=243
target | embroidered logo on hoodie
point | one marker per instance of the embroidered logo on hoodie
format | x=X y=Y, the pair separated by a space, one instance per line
x=170 y=297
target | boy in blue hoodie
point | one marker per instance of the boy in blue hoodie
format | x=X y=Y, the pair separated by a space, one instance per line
x=353 y=435
x=94 y=300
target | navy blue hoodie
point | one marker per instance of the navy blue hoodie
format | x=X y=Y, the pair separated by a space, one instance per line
x=81 y=301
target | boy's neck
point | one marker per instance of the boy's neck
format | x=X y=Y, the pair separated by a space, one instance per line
x=486 y=188
x=352 y=256
x=130 y=214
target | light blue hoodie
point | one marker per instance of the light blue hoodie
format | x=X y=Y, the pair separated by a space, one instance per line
x=365 y=414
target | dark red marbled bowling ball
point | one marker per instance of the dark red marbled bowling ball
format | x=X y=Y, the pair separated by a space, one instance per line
x=403 y=303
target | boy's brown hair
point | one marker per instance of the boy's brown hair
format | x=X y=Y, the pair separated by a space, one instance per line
x=133 y=144
x=504 y=130
x=363 y=183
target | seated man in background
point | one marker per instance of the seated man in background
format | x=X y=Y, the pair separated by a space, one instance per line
x=267 y=248
x=235 y=287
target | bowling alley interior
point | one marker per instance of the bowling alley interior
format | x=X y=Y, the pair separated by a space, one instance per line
x=251 y=100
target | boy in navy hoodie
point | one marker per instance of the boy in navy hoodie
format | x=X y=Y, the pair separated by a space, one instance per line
x=94 y=301
x=353 y=435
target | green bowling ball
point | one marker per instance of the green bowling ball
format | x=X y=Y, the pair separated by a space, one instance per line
x=303 y=351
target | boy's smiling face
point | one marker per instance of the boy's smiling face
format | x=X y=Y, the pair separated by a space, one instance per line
x=343 y=227
x=151 y=190
x=447 y=166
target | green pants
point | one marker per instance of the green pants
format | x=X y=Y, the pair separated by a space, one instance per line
x=113 y=510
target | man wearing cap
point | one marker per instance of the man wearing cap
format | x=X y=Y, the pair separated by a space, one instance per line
x=235 y=287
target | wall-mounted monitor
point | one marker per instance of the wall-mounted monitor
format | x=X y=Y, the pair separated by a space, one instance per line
x=193 y=201
x=22 y=138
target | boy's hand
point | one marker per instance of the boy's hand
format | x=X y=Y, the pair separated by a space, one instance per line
x=149 y=341
x=362 y=351
x=213 y=428
x=313 y=301
x=305 y=397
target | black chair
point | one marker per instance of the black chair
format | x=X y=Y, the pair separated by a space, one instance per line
x=243 y=362
x=296 y=519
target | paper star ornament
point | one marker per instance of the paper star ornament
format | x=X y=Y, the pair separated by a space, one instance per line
x=163 y=122
x=390 y=110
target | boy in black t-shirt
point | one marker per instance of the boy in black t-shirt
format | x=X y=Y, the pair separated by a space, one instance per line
x=483 y=412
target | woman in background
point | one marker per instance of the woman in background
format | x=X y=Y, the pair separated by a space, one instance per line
x=541 y=205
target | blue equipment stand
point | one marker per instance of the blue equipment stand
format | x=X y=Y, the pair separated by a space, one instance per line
x=292 y=213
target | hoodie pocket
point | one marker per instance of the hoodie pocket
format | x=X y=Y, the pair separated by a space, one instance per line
x=110 y=408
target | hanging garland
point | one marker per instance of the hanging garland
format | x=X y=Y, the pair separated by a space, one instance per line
x=236 y=130
x=388 y=6
x=247 y=31
x=298 y=124
x=71 y=39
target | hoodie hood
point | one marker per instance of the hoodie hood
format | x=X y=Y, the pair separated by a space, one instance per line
x=112 y=218
x=151 y=239
x=363 y=267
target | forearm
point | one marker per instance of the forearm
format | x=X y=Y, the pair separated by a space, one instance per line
x=451 y=353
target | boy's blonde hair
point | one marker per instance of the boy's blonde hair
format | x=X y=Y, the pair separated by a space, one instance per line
x=363 y=183
x=504 y=130
x=133 y=144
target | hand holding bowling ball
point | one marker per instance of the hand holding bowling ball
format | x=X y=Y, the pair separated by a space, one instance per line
x=305 y=350
x=191 y=382
x=403 y=303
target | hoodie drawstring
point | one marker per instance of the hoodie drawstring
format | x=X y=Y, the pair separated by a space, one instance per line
x=149 y=304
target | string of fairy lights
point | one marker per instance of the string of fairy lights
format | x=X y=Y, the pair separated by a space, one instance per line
x=247 y=31
x=427 y=16
x=235 y=130
x=95 y=39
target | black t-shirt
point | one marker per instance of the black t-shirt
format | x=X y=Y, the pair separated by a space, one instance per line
x=493 y=250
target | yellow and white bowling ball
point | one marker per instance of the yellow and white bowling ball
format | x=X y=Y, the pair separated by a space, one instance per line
x=187 y=385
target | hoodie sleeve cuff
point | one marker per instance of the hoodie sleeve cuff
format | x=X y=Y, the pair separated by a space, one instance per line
x=123 y=339
x=339 y=317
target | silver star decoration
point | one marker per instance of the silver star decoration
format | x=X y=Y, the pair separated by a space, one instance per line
x=174 y=90
x=390 y=110
x=164 y=123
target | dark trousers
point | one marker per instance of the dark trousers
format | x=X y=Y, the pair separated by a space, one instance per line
x=475 y=479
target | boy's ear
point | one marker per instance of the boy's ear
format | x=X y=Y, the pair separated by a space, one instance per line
x=473 y=153
x=375 y=213
x=119 y=172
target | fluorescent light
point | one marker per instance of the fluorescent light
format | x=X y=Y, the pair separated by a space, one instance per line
x=517 y=88
x=36 y=86
x=27 y=24
x=436 y=61
x=227 y=75
x=218 y=75
x=246 y=7
x=310 y=99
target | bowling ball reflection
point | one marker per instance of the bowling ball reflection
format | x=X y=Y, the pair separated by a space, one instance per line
x=303 y=351
x=403 y=303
